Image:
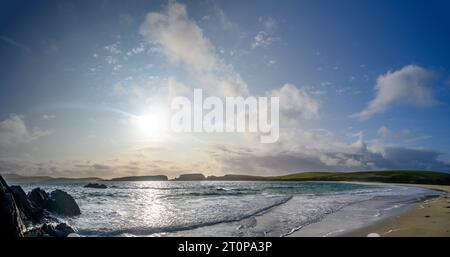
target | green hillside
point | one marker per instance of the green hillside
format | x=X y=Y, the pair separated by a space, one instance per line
x=393 y=176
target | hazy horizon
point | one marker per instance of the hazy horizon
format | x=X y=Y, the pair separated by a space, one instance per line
x=362 y=85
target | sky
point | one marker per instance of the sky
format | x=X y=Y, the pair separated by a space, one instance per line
x=363 y=85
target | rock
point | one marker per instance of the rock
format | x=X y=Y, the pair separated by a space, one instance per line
x=61 y=230
x=11 y=224
x=39 y=198
x=50 y=230
x=27 y=208
x=63 y=203
x=57 y=201
x=65 y=229
x=36 y=232
x=96 y=185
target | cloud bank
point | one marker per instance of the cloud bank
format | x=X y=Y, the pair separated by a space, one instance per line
x=408 y=86
x=13 y=131
x=182 y=41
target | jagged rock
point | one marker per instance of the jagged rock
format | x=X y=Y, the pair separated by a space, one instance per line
x=63 y=203
x=57 y=201
x=27 y=208
x=61 y=230
x=96 y=185
x=11 y=224
x=39 y=198
x=49 y=230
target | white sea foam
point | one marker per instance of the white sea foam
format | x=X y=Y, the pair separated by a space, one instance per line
x=229 y=208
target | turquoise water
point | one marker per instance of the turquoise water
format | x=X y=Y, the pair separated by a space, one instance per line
x=212 y=208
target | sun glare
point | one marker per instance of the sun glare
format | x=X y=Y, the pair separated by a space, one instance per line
x=152 y=125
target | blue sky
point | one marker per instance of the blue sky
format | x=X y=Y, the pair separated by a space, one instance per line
x=368 y=84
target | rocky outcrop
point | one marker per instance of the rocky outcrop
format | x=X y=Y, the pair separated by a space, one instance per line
x=27 y=208
x=63 y=203
x=96 y=185
x=16 y=208
x=57 y=201
x=11 y=224
x=50 y=230
x=39 y=198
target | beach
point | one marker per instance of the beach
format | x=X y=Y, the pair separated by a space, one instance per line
x=255 y=208
x=428 y=218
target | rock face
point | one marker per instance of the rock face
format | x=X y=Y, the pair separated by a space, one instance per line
x=26 y=207
x=39 y=198
x=96 y=185
x=10 y=221
x=50 y=230
x=63 y=203
x=61 y=230
x=16 y=207
x=58 y=202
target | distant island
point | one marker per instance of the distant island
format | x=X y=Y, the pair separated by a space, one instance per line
x=190 y=177
x=142 y=178
x=389 y=176
x=47 y=179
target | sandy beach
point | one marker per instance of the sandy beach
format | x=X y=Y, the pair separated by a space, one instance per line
x=430 y=218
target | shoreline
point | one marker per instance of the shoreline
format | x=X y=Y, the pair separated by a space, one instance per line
x=429 y=217
x=374 y=216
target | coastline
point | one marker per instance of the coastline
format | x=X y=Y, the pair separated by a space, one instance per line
x=427 y=218
x=394 y=219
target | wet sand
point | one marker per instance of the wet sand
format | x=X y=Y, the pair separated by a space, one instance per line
x=429 y=218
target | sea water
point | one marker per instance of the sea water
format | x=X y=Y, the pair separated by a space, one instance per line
x=213 y=208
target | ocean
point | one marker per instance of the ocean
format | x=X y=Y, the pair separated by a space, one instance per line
x=213 y=208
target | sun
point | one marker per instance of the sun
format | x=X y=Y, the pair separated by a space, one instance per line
x=153 y=124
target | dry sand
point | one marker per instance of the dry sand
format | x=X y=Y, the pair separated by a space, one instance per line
x=428 y=219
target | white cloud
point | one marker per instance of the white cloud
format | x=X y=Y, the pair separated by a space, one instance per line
x=319 y=150
x=136 y=50
x=13 y=131
x=182 y=40
x=296 y=103
x=183 y=43
x=113 y=48
x=263 y=39
x=407 y=86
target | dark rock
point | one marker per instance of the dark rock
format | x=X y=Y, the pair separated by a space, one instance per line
x=11 y=224
x=39 y=198
x=96 y=185
x=36 y=232
x=142 y=178
x=27 y=208
x=49 y=230
x=64 y=229
x=57 y=201
x=63 y=203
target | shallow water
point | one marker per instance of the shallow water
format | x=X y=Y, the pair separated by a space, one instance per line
x=213 y=208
